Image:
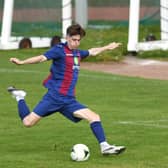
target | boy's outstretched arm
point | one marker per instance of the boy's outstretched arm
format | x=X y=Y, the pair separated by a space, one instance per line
x=32 y=60
x=98 y=50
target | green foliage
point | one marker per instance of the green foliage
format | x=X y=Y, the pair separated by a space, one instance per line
x=133 y=112
x=145 y=30
x=100 y=37
x=94 y=38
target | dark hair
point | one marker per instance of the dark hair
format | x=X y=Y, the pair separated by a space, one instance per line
x=25 y=43
x=75 y=29
x=55 y=40
x=150 y=37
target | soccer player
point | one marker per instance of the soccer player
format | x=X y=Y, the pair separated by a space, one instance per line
x=61 y=83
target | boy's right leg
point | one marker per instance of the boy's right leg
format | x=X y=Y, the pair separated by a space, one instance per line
x=28 y=119
x=98 y=131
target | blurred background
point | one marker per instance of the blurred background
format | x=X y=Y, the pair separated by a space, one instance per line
x=44 y=18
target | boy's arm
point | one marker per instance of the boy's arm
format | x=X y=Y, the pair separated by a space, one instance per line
x=98 y=50
x=32 y=60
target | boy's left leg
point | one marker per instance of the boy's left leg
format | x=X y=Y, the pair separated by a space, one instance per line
x=28 y=119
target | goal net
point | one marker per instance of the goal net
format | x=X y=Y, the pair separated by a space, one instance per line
x=155 y=10
x=35 y=20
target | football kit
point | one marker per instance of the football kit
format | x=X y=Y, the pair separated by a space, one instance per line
x=61 y=82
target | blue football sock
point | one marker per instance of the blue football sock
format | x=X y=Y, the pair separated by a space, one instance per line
x=23 y=109
x=98 y=131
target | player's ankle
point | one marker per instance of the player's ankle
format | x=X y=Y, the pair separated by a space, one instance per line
x=18 y=98
x=103 y=145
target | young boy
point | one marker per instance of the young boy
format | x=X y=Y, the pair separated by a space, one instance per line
x=61 y=84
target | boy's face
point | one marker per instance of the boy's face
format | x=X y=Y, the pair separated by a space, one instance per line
x=73 y=41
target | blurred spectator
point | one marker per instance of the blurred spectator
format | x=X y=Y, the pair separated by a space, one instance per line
x=25 y=43
x=55 y=40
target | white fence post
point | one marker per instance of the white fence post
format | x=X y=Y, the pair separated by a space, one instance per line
x=164 y=19
x=7 y=21
x=133 y=24
x=66 y=15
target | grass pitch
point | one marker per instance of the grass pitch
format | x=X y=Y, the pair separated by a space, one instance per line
x=134 y=113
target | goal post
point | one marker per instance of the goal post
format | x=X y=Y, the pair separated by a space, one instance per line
x=7 y=21
x=164 y=19
x=133 y=24
x=66 y=15
x=133 y=34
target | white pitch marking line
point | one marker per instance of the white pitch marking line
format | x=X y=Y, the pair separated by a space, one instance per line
x=144 y=123
x=4 y=70
x=18 y=71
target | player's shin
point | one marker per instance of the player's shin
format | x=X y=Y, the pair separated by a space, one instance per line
x=23 y=109
x=98 y=131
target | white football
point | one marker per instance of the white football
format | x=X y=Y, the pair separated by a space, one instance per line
x=80 y=152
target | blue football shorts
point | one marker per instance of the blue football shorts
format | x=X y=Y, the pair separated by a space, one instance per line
x=64 y=105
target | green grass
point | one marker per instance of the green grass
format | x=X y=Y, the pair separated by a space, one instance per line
x=133 y=112
x=97 y=36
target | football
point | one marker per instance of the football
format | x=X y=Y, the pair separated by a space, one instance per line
x=80 y=152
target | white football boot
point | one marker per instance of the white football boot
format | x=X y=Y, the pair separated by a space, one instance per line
x=16 y=93
x=112 y=149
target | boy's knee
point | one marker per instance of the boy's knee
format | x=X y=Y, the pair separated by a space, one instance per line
x=31 y=120
x=27 y=123
x=96 y=117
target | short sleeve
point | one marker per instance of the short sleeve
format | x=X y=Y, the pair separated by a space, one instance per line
x=54 y=53
x=84 y=53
